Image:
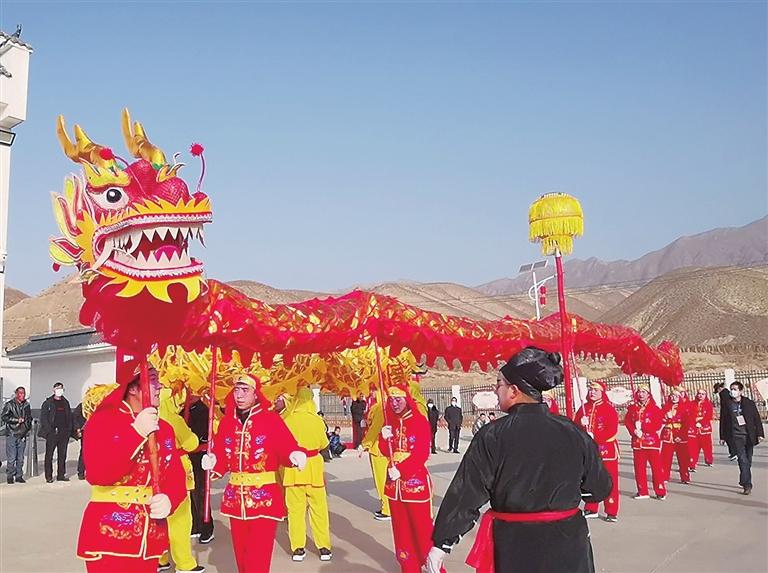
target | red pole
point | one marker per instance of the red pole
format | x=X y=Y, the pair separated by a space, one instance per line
x=565 y=338
x=211 y=406
x=151 y=448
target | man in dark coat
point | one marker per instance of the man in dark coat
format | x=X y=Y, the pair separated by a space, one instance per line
x=198 y=423
x=357 y=409
x=56 y=427
x=742 y=429
x=535 y=468
x=17 y=418
x=433 y=415
x=454 y=418
x=78 y=422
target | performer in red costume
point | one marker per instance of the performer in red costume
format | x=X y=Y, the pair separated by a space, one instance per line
x=643 y=420
x=674 y=436
x=551 y=403
x=700 y=429
x=409 y=488
x=124 y=526
x=252 y=441
x=600 y=420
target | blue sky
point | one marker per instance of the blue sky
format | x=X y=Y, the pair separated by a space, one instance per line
x=354 y=143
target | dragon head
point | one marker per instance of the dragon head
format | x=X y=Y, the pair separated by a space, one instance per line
x=129 y=224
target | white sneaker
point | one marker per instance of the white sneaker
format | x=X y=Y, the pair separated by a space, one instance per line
x=299 y=554
x=638 y=496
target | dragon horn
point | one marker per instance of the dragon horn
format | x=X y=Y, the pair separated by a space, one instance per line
x=83 y=149
x=137 y=142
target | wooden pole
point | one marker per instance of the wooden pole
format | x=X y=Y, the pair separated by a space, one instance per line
x=211 y=406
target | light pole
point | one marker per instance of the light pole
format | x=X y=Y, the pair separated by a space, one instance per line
x=14 y=68
x=534 y=292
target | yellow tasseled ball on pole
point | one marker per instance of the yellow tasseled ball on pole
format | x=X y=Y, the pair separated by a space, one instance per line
x=554 y=219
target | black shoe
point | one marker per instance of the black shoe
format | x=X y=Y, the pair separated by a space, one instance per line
x=63 y=478
x=48 y=480
x=20 y=480
x=299 y=554
x=434 y=451
x=692 y=470
x=708 y=465
x=161 y=567
x=205 y=539
x=81 y=476
x=198 y=569
x=379 y=516
x=611 y=518
x=590 y=514
x=733 y=457
x=747 y=490
x=10 y=479
x=325 y=554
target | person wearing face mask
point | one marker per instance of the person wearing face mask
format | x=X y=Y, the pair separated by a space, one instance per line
x=600 y=420
x=56 y=427
x=534 y=468
x=433 y=415
x=742 y=429
x=644 y=420
x=124 y=525
x=700 y=430
x=674 y=437
x=405 y=441
x=454 y=418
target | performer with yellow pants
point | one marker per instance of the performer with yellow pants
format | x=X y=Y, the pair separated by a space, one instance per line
x=305 y=489
x=374 y=422
x=180 y=521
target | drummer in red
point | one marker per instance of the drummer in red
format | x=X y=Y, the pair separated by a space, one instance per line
x=252 y=441
x=600 y=420
x=644 y=420
x=700 y=429
x=124 y=526
x=674 y=436
x=405 y=439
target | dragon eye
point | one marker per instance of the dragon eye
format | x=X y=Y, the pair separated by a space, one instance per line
x=111 y=199
x=113 y=195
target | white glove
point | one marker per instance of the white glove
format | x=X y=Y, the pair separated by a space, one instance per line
x=386 y=432
x=299 y=459
x=639 y=433
x=394 y=473
x=159 y=506
x=698 y=424
x=584 y=421
x=208 y=462
x=435 y=560
x=146 y=421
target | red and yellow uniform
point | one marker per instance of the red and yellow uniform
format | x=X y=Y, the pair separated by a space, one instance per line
x=379 y=462
x=410 y=495
x=674 y=438
x=252 y=449
x=180 y=521
x=116 y=533
x=601 y=421
x=551 y=403
x=305 y=489
x=700 y=431
x=646 y=420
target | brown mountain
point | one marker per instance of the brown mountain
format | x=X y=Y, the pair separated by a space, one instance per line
x=12 y=296
x=731 y=246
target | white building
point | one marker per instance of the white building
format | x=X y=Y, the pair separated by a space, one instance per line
x=77 y=358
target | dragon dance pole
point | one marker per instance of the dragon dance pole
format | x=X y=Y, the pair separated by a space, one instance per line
x=211 y=406
x=151 y=448
x=565 y=337
x=380 y=372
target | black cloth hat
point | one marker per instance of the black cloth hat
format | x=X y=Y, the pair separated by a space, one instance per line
x=533 y=370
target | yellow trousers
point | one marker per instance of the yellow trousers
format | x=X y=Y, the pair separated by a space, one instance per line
x=379 y=471
x=298 y=498
x=179 y=529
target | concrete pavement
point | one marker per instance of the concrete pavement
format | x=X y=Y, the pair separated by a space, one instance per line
x=703 y=527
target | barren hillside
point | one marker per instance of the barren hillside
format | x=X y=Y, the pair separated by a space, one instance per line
x=13 y=296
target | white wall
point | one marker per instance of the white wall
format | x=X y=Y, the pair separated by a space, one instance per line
x=15 y=373
x=76 y=371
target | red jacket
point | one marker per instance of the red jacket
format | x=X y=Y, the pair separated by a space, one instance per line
x=114 y=453
x=675 y=418
x=258 y=446
x=700 y=417
x=650 y=422
x=411 y=439
x=601 y=421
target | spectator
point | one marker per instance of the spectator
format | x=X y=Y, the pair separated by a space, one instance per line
x=17 y=417
x=357 y=409
x=742 y=429
x=325 y=452
x=78 y=422
x=56 y=427
x=433 y=414
x=345 y=405
x=722 y=392
x=481 y=421
x=336 y=447
x=454 y=418
x=491 y=416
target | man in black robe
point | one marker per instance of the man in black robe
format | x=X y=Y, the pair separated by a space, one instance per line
x=535 y=468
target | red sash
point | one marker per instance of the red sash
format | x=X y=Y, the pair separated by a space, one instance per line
x=481 y=555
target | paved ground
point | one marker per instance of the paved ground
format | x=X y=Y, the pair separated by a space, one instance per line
x=702 y=527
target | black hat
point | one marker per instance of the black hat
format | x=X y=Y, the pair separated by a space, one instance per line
x=533 y=370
